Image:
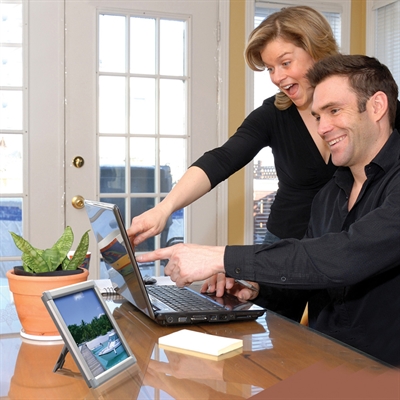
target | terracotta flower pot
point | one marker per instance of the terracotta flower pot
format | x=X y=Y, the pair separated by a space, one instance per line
x=27 y=292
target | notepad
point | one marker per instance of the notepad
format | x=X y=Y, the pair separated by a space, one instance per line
x=108 y=290
x=105 y=286
x=200 y=344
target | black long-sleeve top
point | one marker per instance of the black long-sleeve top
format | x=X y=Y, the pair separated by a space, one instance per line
x=353 y=257
x=300 y=168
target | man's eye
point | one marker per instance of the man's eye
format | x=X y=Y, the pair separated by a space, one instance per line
x=334 y=110
x=286 y=63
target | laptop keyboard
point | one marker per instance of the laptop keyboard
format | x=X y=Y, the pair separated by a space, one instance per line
x=181 y=299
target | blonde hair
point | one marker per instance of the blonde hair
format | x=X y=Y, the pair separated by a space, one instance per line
x=301 y=25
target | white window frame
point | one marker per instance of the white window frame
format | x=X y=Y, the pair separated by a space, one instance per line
x=341 y=6
x=24 y=195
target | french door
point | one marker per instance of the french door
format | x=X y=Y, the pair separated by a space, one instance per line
x=121 y=113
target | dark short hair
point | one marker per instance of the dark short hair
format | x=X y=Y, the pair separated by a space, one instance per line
x=366 y=77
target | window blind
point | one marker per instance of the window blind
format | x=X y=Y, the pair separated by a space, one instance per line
x=334 y=19
x=387 y=37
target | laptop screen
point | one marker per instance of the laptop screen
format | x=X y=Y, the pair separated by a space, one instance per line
x=121 y=264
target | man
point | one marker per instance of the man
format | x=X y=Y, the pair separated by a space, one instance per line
x=350 y=255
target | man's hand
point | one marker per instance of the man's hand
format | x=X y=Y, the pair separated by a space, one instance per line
x=188 y=263
x=220 y=283
x=243 y=293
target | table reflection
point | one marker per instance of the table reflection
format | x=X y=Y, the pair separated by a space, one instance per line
x=34 y=378
x=178 y=375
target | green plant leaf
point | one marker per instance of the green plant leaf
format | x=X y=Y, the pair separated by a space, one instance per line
x=36 y=260
x=34 y=263
x=64 y=243
x=65 y=262
x=80 y=253
x=31 y=257
x=52 y=257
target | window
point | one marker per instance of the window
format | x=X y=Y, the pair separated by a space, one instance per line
x=142 y=126
x=262 y=172
x=13 y=130
x=383 y=21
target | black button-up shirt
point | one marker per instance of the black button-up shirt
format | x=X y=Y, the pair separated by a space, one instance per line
x=352 y=258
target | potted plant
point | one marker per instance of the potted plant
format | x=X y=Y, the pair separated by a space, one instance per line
x=44 y=270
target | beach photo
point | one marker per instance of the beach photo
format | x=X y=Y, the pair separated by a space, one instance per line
x=91 y=330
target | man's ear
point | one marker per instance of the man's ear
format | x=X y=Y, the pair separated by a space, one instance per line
x=379 y=104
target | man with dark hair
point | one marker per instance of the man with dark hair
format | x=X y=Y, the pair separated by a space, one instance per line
x=350 y=255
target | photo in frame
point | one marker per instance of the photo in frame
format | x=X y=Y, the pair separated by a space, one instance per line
x=89 y=331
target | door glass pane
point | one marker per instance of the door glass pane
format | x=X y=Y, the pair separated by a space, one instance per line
x=112 y=43
x=112 y=164
x=172 y=107
x=173 y=159
x=11 y=23
x=143 y=106
x=10 y=163
x=112 y=104
x=138 y=206
x=172 y=47
x=11 y=109
x=173 y=165
x=10 y=66
x=143 y=161
x=11 y=221
x=120 y=202
x=143 y=45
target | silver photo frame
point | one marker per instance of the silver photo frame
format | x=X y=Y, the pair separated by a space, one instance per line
x=89 y=331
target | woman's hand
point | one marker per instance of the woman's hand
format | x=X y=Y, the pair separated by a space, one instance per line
x=147 y=224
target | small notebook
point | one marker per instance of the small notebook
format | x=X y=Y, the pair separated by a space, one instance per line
x=200 y=344
x=105 y=286
x=108 y=289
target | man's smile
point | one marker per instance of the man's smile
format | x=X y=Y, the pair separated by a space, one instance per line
x=337 y=140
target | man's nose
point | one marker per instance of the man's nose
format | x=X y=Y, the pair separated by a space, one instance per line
x=324 y=126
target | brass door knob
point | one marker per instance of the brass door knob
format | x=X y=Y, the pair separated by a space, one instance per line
x=78 y=162
x=78 y=202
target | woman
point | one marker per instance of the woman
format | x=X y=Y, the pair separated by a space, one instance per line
x=283 y=122
x=287 y=44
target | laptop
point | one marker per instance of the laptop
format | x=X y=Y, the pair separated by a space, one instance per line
x=164 y=304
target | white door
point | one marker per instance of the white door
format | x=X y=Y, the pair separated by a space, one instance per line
x=87 y=135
